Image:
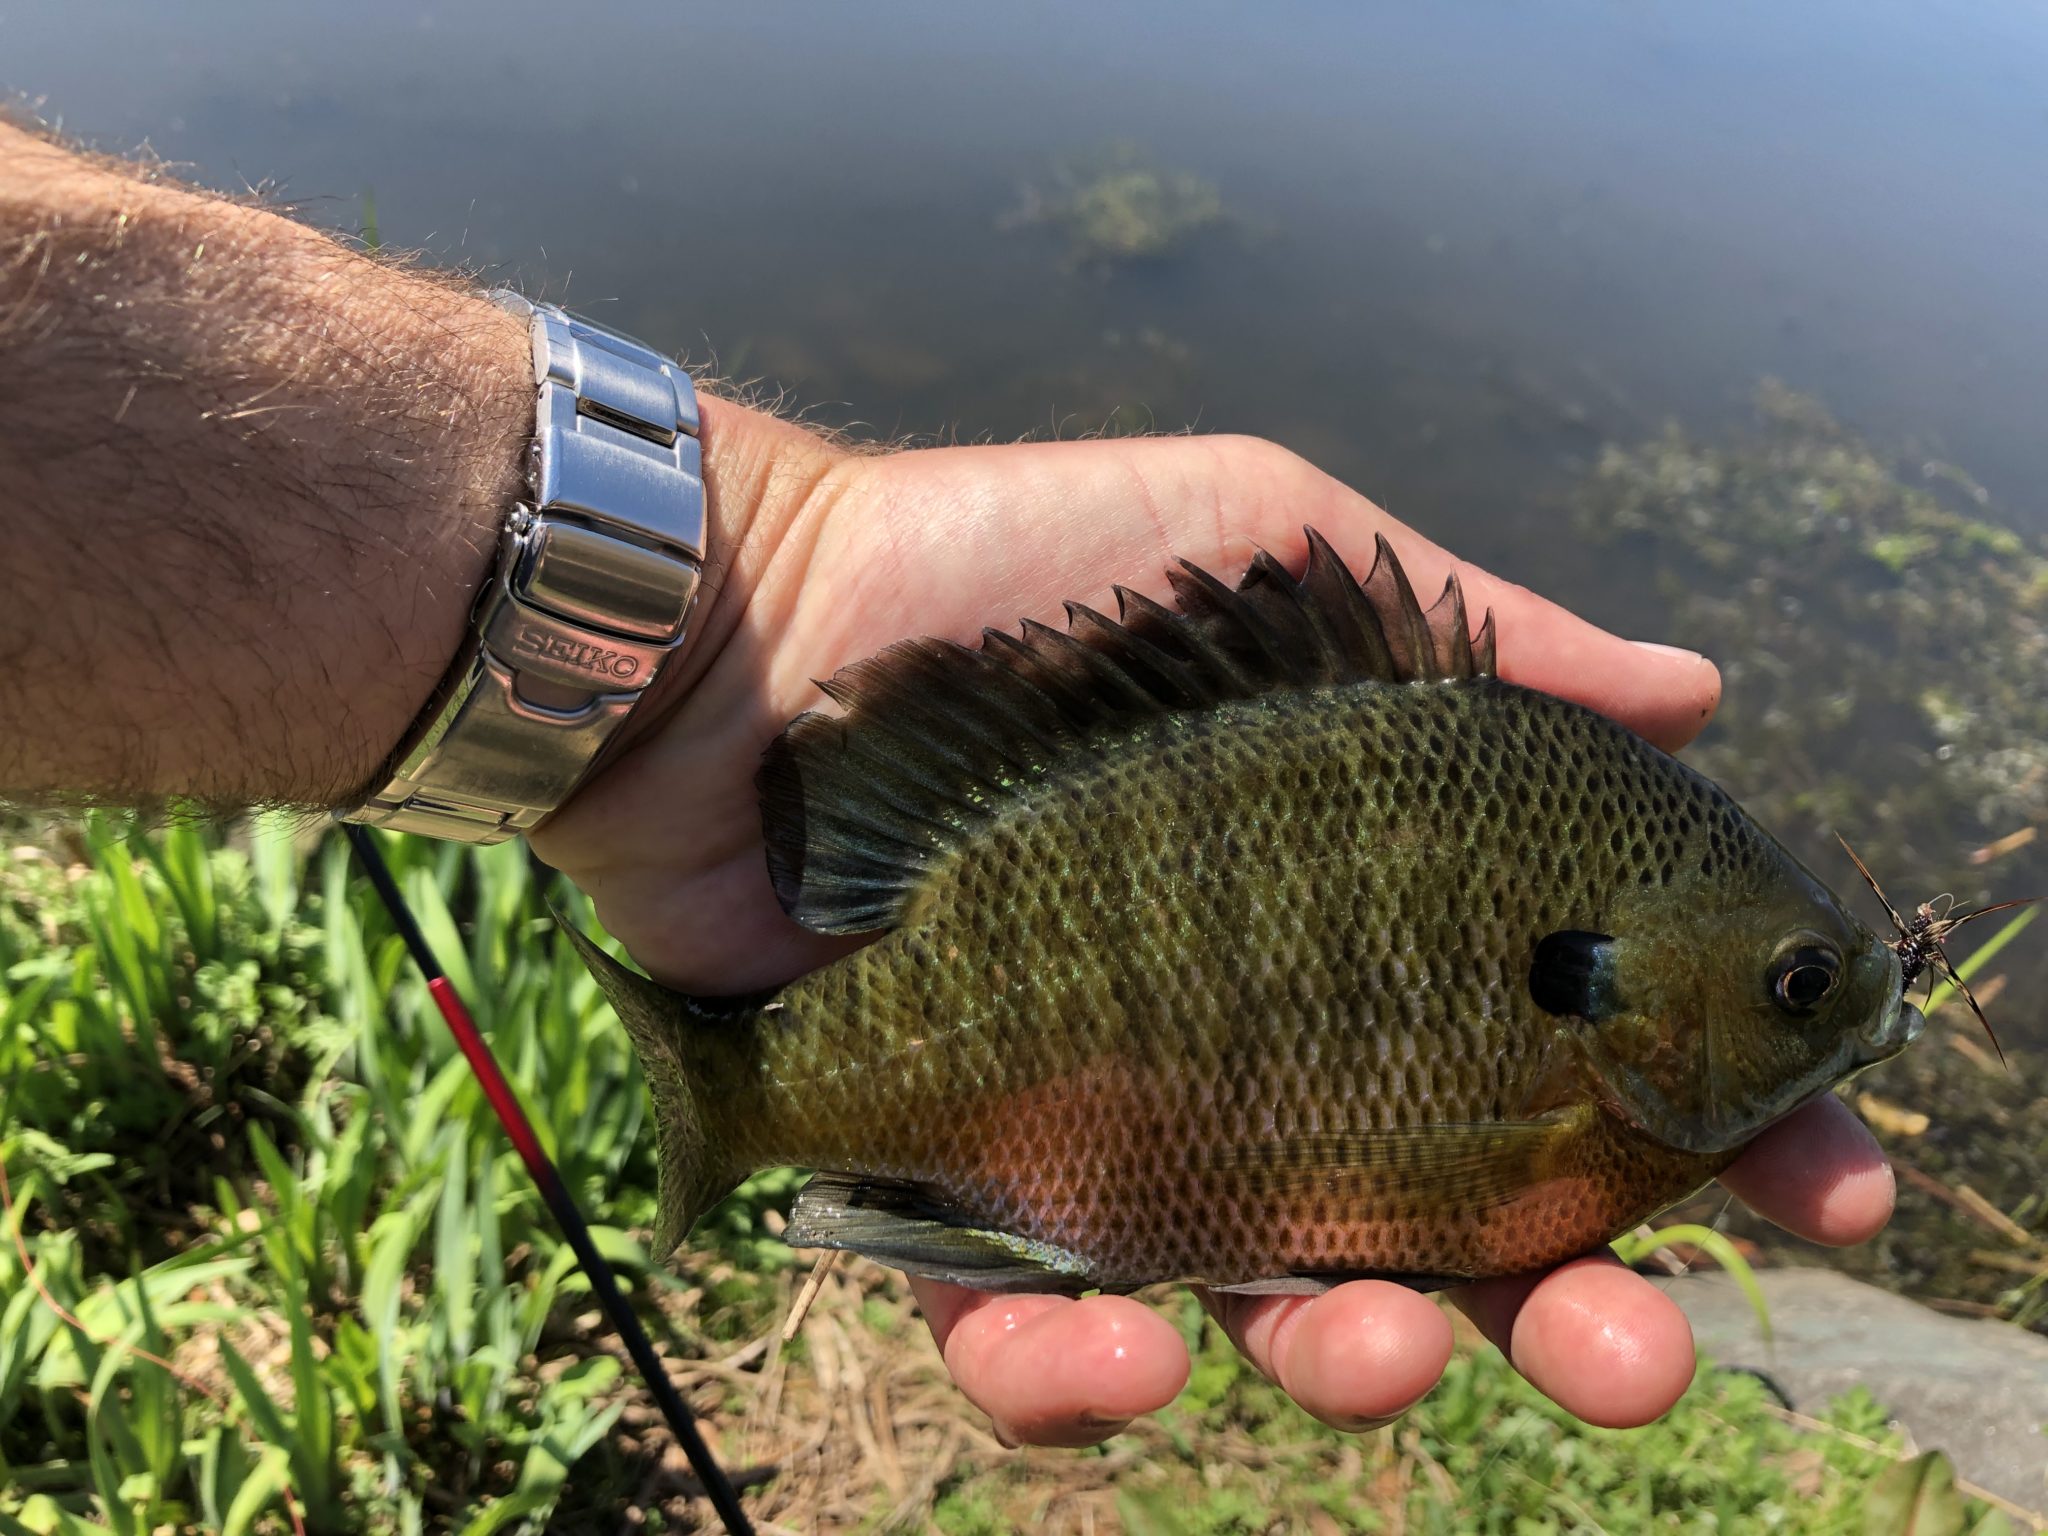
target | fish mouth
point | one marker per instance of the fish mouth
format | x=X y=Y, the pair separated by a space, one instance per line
x=1898 y=1023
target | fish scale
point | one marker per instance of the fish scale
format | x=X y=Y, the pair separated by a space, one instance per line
x=1261 y=944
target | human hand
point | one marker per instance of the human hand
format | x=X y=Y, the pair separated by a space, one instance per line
x=862 y=551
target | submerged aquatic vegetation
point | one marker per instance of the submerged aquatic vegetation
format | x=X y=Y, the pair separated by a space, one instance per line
x=1884 y=647
x=1115 y=206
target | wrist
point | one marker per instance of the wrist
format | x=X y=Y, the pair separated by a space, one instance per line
x=267 y=474
x=764 y=478
x=257 y=481
x=425 y=472
x=588 y=620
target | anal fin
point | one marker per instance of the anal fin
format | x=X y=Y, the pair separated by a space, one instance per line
x=913 y=1230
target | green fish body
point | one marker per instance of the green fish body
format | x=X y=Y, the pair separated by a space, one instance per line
x=1264 y=943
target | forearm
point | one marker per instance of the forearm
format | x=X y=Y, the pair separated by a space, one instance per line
x=250 y=481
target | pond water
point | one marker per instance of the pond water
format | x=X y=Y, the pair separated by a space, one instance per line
x=1451 y=253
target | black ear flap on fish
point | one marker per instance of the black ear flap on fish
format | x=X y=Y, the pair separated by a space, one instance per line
x=937 y=737
x=1572 y=975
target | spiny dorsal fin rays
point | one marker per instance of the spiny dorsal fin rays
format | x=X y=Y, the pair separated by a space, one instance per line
x=1260 y=639
x=1313 y=637
x=1214 y=622
x=1483 y=661
x=1271 y=592
x=1392 y=598
x=1446 y=622
x=938 y=738
x=1170 y=680
x=1077 y=676
x=1340 y=604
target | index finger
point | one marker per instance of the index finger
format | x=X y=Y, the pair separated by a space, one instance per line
x=1663 y=693
x=1216 y=502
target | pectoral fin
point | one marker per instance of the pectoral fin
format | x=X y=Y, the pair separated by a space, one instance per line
x=915 y=1231
x=1452 y=1166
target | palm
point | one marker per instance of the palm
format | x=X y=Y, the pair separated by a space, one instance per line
x=945 y=542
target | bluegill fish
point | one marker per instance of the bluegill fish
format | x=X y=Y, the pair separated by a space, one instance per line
x=1263 y=943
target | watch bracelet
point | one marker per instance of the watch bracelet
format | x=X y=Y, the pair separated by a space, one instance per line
x=597 y=572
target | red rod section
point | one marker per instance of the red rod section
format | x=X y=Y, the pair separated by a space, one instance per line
x=507 y=1108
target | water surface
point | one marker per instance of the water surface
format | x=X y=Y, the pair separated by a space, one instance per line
x=1467 y=244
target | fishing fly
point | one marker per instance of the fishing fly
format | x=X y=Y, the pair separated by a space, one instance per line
x=1922 y=938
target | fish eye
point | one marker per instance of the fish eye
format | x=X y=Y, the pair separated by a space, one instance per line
x=1803 y=976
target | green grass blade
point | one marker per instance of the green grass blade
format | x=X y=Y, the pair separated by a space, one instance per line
x=1984 y=954
x=313 y=1410
x=258 y=1404
x=183 y=863
x=111 y=1445
x=259 y=1489
x=499 y=1325
x=1633 y=1249
x=393 y=1239
x=455 y=1257
x=119 y=949
x=430 y=906
x=154 y=1393
x=274 y=866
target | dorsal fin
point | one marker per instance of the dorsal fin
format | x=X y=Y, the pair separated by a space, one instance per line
x=937 y=736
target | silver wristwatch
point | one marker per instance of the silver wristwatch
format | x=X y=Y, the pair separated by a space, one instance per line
x=595 y=577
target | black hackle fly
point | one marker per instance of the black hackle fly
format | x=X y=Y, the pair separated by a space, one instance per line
x=1921 y=940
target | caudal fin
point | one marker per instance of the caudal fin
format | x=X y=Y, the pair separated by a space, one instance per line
x=694 y=1175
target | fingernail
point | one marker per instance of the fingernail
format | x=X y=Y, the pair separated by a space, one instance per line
x=1677 y=652
x=1004 y=1438
x=1097 y=1425
x=1363 y=1426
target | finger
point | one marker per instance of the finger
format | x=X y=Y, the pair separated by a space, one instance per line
x=1662 y=693
x=1354 y=1357
x=1818 y=1173
x=1050 y=1370
x=1216 y=501
x=1601 y=1342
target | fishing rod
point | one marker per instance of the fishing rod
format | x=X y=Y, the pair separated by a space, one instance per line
x=548 y=1180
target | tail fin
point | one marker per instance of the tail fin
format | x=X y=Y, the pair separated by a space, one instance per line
x=694 y=1175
